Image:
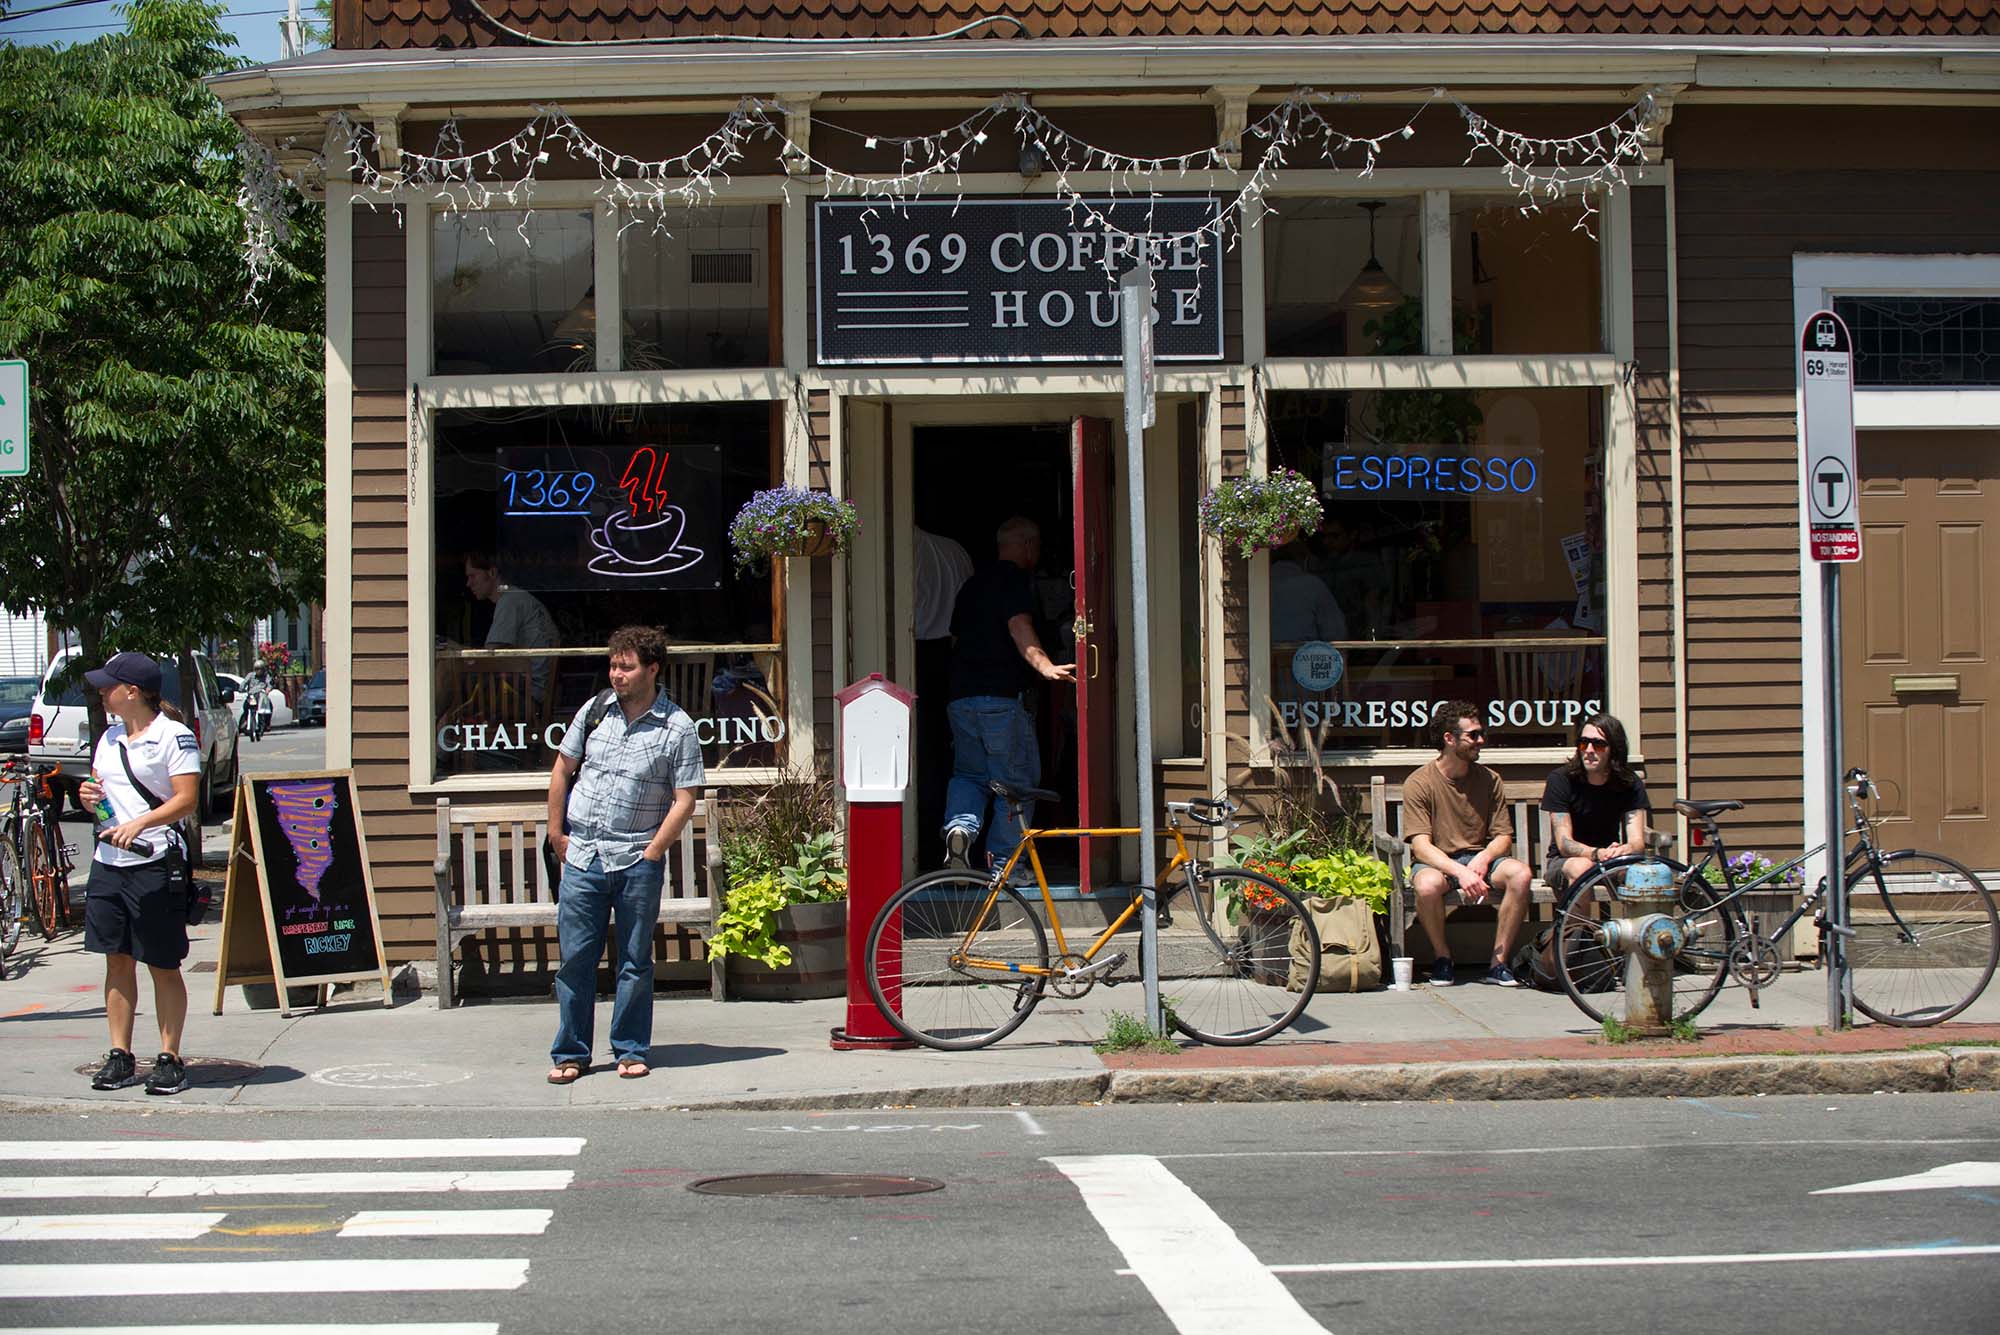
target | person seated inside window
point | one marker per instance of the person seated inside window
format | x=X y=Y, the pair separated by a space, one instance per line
x=1302 y=607
x=1597 y=807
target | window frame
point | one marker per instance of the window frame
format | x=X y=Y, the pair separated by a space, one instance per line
x=608 y=385
x=1609 y=372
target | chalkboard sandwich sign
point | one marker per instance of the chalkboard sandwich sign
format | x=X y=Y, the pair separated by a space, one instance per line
x=298 y=904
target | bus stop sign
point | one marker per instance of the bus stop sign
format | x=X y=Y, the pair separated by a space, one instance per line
x=13 y=419
x=1826 y=410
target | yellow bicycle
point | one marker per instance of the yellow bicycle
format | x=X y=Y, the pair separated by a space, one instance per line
x=957 y=960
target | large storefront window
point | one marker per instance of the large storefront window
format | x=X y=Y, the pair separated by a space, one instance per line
x=552 y=528
x=513 y=291
x=1462 y=556
x=1343 y=277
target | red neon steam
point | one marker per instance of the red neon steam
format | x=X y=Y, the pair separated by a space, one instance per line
x=646 y=480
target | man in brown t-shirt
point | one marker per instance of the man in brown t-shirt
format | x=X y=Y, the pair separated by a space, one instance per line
x=1455 y=819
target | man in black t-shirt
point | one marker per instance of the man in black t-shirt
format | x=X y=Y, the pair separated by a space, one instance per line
x=996 y=656
x=1596 y=805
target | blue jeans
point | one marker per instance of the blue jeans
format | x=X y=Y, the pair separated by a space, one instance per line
x=592 y=898
x=992 y=737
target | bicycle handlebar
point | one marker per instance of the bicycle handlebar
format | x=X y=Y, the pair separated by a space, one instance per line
x=1210 y=811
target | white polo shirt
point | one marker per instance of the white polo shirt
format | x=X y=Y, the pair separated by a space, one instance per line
x=164 y=749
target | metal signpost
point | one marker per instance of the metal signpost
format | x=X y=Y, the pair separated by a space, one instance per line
x=1136 y=313
x=1833 y=536
x=13 y=419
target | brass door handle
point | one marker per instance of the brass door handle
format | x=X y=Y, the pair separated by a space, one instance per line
x=1939 y=683
x=1093 y=661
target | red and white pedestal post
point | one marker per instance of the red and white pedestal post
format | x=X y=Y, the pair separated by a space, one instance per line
x=875 y=726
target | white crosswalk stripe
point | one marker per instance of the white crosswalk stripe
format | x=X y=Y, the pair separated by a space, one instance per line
x=49 y=1275
x=189 y=1277
x=277 y=1151
x=279 y=1184
x=105 y=1227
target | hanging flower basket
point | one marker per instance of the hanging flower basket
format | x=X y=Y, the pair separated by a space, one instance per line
x=1250 y=514
x=792 y=521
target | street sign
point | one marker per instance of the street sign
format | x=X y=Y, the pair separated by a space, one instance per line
x=1826 y=408
x=13 y=419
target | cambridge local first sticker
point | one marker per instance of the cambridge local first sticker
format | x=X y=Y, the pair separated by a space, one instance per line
x=1317 y=666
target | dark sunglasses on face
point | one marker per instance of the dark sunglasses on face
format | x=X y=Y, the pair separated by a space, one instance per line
x=1593 y=744
x=1474 y=735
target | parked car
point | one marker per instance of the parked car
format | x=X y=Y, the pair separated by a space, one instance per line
x=312 y=701
x=17 y=702
x=59 y=728
x=232 y=695
x=232 y=686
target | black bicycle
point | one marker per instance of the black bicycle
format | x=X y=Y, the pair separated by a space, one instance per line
x=1922 y=936
x=35 y=863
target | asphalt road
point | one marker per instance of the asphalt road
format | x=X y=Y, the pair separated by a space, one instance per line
x=1276 y=1218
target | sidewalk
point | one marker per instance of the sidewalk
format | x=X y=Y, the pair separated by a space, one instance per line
x=1467 y=1042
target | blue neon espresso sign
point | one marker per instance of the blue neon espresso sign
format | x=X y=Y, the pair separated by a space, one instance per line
x=1426 y=476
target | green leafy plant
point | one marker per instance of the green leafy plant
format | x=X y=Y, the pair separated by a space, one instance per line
x=1252 y=513
x=1344 y=872
x=1685 y=1029
x=1129 y=1033
x=1420 y=416
x=1617 y=1031
x=779 y=848
x=1747 y=867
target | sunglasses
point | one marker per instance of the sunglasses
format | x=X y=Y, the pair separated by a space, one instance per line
x=1474 y=735
x=1593 y=744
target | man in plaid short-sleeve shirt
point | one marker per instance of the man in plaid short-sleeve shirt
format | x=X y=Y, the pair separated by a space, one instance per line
x=613 y=827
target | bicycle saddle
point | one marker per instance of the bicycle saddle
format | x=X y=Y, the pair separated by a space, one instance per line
x=1708 y=809
x=1013 y=794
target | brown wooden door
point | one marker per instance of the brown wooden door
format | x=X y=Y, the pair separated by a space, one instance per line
x=1920 y=627
x=1096 y=643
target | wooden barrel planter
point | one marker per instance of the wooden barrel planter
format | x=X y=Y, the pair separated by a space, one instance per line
x=817 y=934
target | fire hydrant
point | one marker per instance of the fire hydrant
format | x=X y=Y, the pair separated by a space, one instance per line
x=1648 y=940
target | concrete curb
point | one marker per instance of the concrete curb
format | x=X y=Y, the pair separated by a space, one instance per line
x=1935 y=1071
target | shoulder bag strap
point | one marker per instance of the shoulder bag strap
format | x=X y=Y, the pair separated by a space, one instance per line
x=154 y=801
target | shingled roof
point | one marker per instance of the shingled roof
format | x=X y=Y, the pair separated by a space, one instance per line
x=456 y=23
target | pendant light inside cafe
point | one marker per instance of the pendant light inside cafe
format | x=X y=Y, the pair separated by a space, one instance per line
x=1372 y=288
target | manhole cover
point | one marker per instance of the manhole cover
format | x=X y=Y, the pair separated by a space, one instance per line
x=814 y=1184
x=201 y=1070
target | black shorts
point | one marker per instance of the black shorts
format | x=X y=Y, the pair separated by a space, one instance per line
x=138 y=911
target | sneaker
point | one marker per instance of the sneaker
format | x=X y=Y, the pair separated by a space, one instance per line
x=1499 y=975
x=1441 y=974
x=118 y=1071
x=168 y=1077
x=957 y=845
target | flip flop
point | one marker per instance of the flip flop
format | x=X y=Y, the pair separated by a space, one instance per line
x=632 y=1068
x=567 y=1072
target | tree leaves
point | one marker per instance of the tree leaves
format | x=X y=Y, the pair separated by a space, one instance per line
x=177 y=487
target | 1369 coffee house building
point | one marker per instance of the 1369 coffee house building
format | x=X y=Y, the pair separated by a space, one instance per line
x=1514 y=286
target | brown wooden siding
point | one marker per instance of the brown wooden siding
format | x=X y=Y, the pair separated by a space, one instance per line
x=1737 y=231
x=1653 y=730
x=819 y=476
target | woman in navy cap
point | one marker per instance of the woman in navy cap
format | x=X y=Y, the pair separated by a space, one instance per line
x=143 y=780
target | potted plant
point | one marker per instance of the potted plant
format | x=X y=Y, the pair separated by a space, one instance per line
x=1253 y=513
x=783 y=924
x=792 y=521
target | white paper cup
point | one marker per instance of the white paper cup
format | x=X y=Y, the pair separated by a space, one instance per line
x=1405 y=967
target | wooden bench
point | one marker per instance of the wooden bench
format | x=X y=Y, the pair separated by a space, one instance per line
x=490 y=874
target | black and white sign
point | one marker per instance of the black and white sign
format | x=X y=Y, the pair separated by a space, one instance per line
x=1826 y=410
x=1009 y=280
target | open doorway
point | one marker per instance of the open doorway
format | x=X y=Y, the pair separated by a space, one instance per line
x=966 y=480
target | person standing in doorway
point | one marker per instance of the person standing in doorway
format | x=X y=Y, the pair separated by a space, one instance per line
x=136 y=910
x=997 y=656
x=1455 y=819
x=942 y=568
x=620 y=793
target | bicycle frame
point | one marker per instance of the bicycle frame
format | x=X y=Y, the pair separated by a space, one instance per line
x=1181 y=858
x=1865 y=854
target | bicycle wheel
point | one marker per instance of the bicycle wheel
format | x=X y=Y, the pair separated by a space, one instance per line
x=13 y=900
x=44 y=883
x=946 y=959
x=1594 y=977
x=1228 y=955
x=1925 y=938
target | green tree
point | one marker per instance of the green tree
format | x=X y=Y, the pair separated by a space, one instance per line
x=176 y=489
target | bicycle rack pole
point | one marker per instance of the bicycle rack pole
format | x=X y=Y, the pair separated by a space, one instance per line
x=1649 y=943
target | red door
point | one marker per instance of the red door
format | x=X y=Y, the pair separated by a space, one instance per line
x=1096 y=643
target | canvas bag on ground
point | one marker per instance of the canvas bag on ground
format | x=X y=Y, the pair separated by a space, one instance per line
x=1350 y=956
